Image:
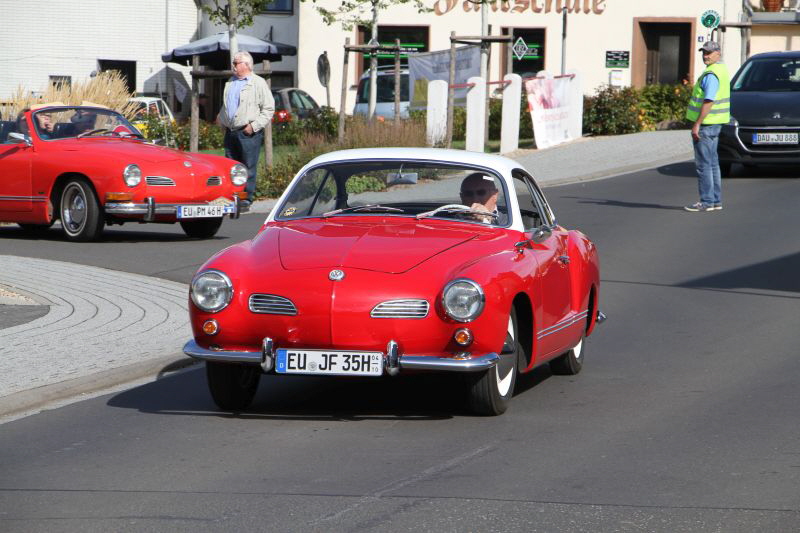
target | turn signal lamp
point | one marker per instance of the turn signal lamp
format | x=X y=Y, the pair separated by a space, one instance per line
x=210 y=327
x=463 y=337
x=119 y=196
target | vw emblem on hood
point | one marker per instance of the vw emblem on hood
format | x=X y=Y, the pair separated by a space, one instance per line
x=336 y=275
x=187 y=164
x=777 y=114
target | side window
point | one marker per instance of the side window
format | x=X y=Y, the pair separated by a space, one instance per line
x=295 y=100
x=307 y=101
x=544 y=207
x=314 y=194
x=528 y=209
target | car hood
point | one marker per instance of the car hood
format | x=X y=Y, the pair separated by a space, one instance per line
x=129 y=150
x=766 y=108
x=391 y=245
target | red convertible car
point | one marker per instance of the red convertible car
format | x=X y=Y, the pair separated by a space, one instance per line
x=390 y=260
x=88 y=167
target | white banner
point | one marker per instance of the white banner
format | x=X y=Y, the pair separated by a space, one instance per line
x=556 y=106
x=428 y=66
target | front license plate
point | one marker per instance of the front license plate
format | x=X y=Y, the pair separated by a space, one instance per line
x=775 y=138
x=200 y=211
x=328 y=362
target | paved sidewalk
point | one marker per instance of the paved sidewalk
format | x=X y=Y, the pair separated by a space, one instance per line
x=104 y=327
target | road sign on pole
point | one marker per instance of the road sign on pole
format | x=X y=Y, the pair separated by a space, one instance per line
x=710 y=19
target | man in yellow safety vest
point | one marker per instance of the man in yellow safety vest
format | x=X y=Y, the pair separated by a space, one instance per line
x=709 y=109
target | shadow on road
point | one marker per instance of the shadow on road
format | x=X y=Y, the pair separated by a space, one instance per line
x=606 y=202
x=110 y=235
x=416 y=397
x=680 y=170
x=768 y=275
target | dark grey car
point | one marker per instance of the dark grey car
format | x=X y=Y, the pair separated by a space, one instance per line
x=765 y=113
x=292 y=103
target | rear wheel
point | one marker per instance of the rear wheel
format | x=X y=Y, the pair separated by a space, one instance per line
x=570 y=362
x=232 y=385
x=80 y=212
x=490 y=391
x=203 y=228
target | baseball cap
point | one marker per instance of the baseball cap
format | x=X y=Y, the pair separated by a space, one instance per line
x=710 y=46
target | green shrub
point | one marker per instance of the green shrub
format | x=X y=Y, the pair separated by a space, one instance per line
x=612 y=112
x=664 y=102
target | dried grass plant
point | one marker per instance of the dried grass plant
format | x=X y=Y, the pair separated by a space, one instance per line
x=107 y=89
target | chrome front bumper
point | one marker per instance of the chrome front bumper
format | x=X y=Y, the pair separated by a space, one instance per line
x=393 y=361
x=150 y=209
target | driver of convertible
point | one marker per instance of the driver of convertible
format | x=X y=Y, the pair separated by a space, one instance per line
x=479 y=192
x=83 y=121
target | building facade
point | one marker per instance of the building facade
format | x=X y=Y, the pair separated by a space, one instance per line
x=619 y=42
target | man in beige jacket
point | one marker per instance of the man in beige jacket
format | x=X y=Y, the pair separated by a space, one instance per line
x=247 y=107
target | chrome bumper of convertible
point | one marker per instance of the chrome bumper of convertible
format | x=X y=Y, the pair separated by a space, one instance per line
x=393 y=361
x=150 y=209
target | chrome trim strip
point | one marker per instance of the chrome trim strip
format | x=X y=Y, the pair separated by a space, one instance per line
x=392 y=361
x=213 y=181
x=23 y=198
x=114 y=208
x=449 y=364
x=267 y=355
x=563 y=324
x=192 y=349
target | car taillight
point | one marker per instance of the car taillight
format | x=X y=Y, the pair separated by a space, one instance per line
x=281 y=115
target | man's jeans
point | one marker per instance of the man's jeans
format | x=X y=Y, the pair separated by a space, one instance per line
x=709 y=180
x=245 y=149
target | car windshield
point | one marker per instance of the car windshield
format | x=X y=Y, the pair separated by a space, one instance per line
x=74 y=122
x=398 y=188
x=385 y=89
x=769 y=74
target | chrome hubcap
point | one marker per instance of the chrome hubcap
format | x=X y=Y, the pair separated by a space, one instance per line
x=505 y=374
x=74 y=214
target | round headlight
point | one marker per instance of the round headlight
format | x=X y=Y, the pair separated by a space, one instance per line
x=238 y=174
x=463 y=300
x=132 y=175
x=211 y=291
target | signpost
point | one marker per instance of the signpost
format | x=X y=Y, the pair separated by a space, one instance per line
x=324 y=73
x=618 y=59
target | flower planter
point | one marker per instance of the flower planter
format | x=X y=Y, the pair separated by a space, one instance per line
x=772 y=5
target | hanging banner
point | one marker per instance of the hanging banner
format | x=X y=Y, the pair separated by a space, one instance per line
x=429 y=66
x=556 y=106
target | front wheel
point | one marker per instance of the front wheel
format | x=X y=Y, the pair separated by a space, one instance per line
x=80 y=212
x=232 y=385
x=490 y=391
x=203 y=228
x=570 y=362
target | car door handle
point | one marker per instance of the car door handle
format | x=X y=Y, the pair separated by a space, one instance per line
x=564 y=259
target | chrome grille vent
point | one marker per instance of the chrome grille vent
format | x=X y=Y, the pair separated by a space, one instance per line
x=401 y=309
x=214 y=180
x=271 y=304
x=159 y=181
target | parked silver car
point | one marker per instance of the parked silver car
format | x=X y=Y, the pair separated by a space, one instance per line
x=385 y=97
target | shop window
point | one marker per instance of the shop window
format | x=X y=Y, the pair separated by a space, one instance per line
x=59 y=82
x=277 y=6
x=413 y=39
x=527 y=55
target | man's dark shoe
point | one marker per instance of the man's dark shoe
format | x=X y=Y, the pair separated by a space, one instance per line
x=244 y=206
x=716 y=207
x=699 y=207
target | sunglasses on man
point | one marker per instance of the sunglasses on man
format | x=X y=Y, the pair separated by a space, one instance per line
x=470 y=193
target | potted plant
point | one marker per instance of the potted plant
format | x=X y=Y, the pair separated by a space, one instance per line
x=772 y=5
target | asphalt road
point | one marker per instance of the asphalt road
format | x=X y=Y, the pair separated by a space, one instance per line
x=683 y=419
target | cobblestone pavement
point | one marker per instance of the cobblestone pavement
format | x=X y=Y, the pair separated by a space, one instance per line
x=98 y=319
x=105 y=327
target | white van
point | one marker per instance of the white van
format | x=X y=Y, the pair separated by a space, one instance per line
x=384 y=106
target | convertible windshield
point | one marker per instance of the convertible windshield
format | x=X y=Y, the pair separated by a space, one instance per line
x=398 y=188
x=769 y=74
x=78 y=122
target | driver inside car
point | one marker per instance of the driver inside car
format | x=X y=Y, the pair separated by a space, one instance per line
x=479 y=192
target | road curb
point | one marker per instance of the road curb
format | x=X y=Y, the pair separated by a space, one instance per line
x=38 y=399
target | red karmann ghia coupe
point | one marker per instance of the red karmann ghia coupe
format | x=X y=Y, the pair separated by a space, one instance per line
x=388 y=260
x=88 y=167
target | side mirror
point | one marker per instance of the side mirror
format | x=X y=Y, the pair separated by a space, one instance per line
x=541 y=234
x=20 y=137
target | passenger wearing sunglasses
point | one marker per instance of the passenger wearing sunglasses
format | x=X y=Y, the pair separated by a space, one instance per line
x=479 y=192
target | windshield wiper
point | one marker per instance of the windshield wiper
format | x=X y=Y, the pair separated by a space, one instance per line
x=376 y=208
x=455 y=208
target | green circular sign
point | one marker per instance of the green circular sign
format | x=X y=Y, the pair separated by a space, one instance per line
x=710 y=19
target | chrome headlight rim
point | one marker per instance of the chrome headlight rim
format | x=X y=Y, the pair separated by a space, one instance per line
x=481 y=303
x=132 y=175
x=238 y=174
x=227 y=297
